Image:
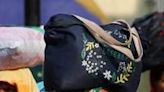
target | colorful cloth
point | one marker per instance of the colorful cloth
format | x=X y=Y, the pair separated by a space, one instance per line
x=23 y=79
x=23 y=46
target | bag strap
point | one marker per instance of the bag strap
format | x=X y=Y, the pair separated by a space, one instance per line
x=103 y=37
x=101 y=34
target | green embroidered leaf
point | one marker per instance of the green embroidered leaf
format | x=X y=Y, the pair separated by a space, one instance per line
x=83 y=53
x=114 y=76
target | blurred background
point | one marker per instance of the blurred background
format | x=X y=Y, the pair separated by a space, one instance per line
x=37 y=12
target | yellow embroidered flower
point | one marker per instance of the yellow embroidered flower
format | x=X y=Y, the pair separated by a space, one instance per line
x=90 y=45
x=122 y=78
x=129 y=67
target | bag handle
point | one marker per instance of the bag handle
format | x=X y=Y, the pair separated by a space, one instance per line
x=103 y=37
x=98 y=31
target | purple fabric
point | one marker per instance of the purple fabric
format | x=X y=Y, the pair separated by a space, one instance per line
x=11 y=12
x=52 y=7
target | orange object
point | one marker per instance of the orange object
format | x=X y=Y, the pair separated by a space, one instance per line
x=22 y=78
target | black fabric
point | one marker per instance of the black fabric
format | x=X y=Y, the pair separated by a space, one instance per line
x=75 y=61
x=152 y=26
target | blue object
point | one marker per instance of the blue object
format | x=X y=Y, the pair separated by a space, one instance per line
x=41 y=86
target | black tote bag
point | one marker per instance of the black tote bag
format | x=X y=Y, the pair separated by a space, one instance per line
x=82 y=55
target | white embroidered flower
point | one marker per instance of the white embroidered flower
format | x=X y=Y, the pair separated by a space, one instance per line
x=96 y=73
x=99 y=56
x=101 y=66
x=84 y=63
x=94 y=53
x=97 y=45
x=107 y=75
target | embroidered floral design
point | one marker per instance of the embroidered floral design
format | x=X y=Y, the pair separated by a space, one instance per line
x=84 y=63
x=111 y=52
x=123 y=77
x=129 y=67
x=107 y=75
x=122 y=67
x=119 y=34
x=90 y=45
x=97 y=45
x=90 y=66
x=114 y=76
x=94 y=63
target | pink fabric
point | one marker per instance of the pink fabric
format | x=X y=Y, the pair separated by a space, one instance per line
x=20 y=47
